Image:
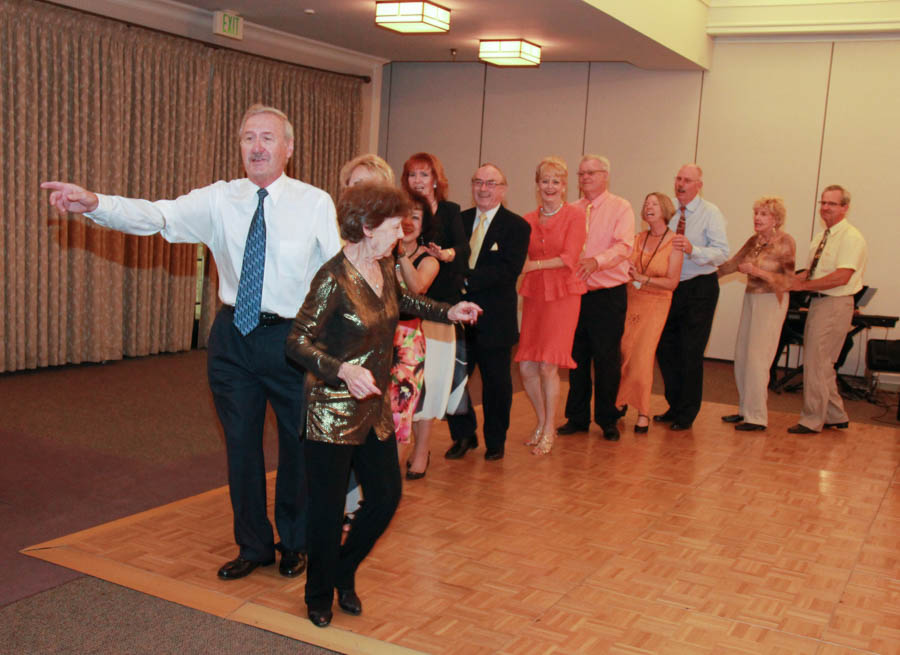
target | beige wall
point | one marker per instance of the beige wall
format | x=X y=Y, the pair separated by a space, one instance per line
x=769 y=118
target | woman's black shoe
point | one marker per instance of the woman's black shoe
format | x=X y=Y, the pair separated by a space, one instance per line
x=733 y=418
x=417 y=475
x=749 y=427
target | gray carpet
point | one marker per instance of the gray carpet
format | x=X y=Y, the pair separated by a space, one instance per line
x=89 y=615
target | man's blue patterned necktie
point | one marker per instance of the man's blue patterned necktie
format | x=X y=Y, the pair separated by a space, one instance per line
x=249 y=295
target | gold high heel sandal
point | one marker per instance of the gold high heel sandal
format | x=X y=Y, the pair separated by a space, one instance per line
x=544 y=446
x=535 y=438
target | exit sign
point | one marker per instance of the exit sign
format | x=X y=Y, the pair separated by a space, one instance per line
x=228 y=24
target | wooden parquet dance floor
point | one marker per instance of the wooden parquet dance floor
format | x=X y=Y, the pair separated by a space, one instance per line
x=706 y=541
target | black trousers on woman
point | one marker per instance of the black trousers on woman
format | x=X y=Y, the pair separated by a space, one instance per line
x=329 y=564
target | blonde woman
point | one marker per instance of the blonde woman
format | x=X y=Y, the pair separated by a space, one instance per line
x=767 y=258
x=552 y=297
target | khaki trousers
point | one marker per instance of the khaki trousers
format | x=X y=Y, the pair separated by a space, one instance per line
x=827 y=326
x=757 y=340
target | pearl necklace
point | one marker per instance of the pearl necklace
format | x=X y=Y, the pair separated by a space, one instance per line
x=553 y=213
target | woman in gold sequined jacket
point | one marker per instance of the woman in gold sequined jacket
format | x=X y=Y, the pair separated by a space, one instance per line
x=343 y=336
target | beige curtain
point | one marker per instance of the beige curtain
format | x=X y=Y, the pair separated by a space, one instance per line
x=128 y=111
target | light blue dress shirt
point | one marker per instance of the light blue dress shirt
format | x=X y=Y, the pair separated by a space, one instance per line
x=705 y=229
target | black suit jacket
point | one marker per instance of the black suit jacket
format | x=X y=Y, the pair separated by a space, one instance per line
x=492 y=283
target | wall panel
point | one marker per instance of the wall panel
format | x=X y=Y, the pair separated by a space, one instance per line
x=645 y=122
x=760 y=131
x=861 y=151
x=529 y=114
x=437 y=108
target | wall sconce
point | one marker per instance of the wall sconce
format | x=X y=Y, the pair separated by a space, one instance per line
x=509 y=52
x=412 y=17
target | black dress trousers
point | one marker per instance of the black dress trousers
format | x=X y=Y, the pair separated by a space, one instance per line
x=246 y=372
x=683 y=343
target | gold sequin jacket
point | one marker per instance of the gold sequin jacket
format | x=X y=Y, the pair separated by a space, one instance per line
x=344 y=320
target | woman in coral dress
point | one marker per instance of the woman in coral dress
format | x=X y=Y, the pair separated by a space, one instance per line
x=655 y=270
x=552 y=297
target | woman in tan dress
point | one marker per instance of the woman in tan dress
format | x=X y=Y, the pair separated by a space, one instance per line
x=655 y=269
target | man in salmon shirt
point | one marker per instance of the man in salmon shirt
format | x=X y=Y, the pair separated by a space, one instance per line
x=604 y=268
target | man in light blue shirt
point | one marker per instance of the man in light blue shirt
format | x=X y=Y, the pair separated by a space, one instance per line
x=700 y=234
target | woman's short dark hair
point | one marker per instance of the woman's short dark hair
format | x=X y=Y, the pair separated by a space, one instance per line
x=428 y=226
x=368 y=205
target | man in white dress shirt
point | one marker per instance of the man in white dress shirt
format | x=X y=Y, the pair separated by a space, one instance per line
x=290 y=230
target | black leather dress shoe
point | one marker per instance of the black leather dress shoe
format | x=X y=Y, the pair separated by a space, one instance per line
x=571 y=428
x=610 y=432
x=678 y=426
x=239 y=568
x=349 y=601
x=459 y=448
x=749 y=427
x=292 y=563
x=801 y=429
x=841 y=425
x=665 y=417
x=319 y=618
x=492 y=455
x=733 y=418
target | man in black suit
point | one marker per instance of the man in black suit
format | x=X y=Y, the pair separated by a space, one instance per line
x=498 y=240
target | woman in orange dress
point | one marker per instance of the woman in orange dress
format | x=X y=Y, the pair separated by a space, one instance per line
x=552 y=297
x=655 y=270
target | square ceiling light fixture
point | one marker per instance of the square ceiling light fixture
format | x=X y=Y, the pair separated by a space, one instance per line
x=412 y=17
x=509 y=52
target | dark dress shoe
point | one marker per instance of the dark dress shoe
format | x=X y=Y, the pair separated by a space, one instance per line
x=319 y=618
x=492 y=455
x=349 y=601
x=610 y=433
x=801 y=429
x=292 y=563
x=665 y=417
x=417 y=475
x=678 y=426
x=841 y=425
x=239 y=568
x=571 y=428
x=733 y=418
x=459 y=448
x=749 y=427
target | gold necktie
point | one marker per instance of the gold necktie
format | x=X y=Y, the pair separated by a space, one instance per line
x=477 y=239
x=815 y=260
x=681 y=222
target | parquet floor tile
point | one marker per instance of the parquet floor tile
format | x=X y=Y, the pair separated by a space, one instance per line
x=706 y=541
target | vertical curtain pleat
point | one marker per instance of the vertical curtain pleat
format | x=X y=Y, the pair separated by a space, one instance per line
x=128 y=111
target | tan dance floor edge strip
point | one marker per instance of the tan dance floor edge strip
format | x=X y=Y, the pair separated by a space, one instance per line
x=705 y=541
